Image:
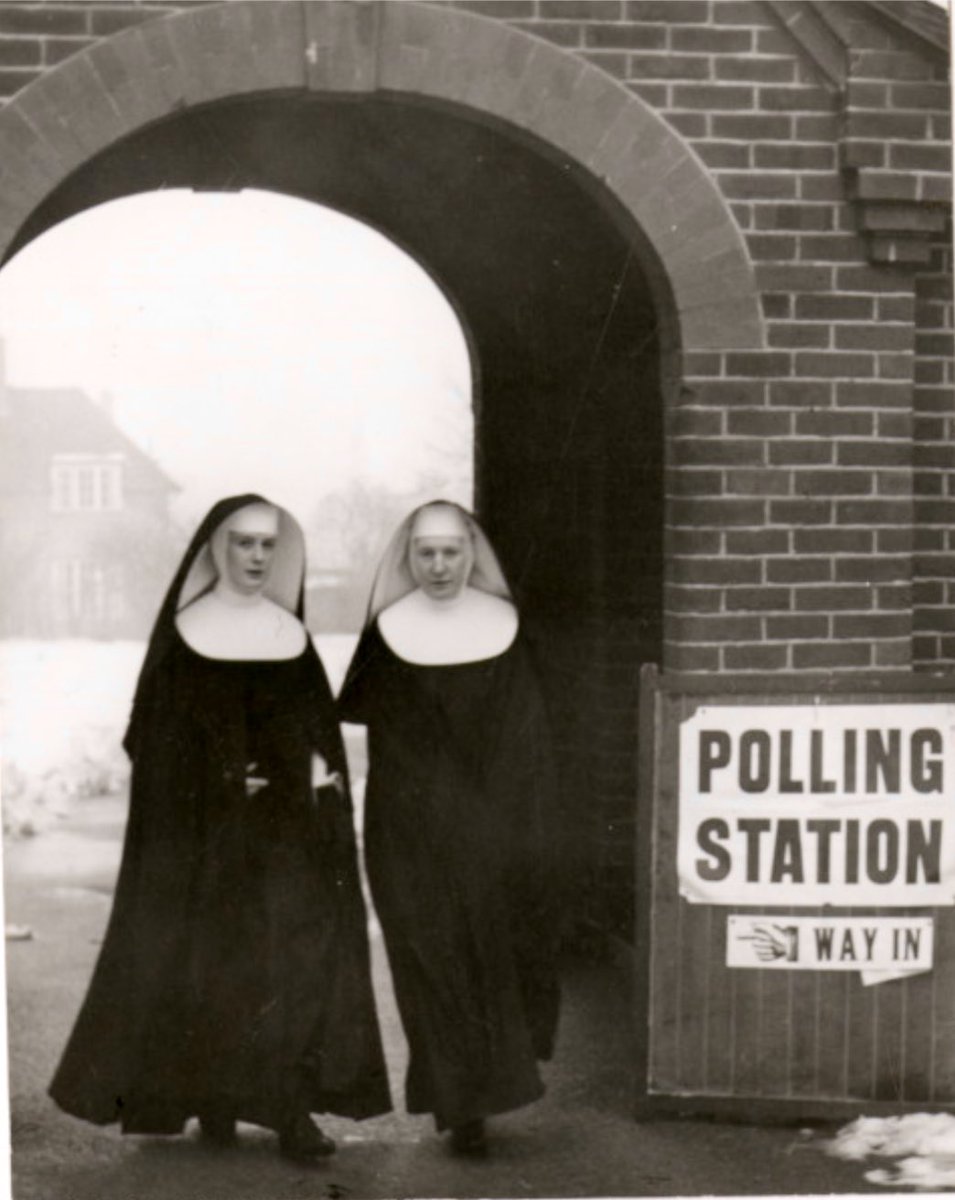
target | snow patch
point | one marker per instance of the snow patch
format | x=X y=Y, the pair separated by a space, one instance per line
x=63 y=712
x=923 y=1144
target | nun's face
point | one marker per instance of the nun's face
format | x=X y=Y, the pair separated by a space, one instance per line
x=440 y=565
x=249 y=558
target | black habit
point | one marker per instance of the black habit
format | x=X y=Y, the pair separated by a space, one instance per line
x=235 y=967
x=459 y=852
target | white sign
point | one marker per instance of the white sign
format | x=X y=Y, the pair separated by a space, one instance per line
x=815 y=804
x=871 y=944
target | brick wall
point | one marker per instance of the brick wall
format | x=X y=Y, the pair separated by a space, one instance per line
x=934 y=459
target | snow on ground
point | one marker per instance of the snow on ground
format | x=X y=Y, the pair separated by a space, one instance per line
x=922 y=1143
x=63 y=711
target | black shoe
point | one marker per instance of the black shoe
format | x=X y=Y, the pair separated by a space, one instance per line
x=469 y=1138
x=218 y=1128
x=303 y=1141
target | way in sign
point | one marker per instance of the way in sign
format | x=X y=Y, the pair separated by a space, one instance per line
x=833 y=944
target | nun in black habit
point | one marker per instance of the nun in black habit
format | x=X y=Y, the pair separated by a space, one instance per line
x=233 y=983
x=459 y=821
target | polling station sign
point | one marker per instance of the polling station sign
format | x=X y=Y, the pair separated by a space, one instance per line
x=812 y=804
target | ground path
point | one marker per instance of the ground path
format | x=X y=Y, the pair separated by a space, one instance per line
x=580 y=1140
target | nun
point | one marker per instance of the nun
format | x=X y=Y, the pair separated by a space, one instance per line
x=233 y=983
x=459 y=828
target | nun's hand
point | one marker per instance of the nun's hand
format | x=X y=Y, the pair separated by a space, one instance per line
x=321 y=777
x=254 y=783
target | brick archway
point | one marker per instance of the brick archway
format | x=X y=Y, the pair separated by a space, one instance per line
x=693 y=252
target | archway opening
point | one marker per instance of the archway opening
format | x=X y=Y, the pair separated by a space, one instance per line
x=162 y=351
x=566 y=330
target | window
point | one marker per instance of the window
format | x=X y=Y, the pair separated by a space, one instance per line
x=86 y=483
x=86 y=478
x=86 y=594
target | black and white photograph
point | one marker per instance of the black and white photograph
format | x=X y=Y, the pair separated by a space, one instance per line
x=477 y=628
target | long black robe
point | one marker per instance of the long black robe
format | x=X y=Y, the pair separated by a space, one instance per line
x=459 y=843
x=235 y=968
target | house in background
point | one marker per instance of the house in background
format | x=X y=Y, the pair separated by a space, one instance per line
x=86 y=537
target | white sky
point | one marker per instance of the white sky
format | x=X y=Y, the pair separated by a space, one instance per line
x=250 y=342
